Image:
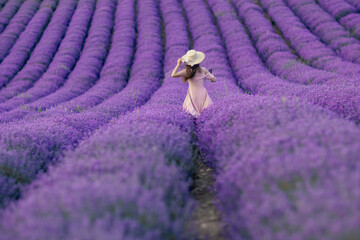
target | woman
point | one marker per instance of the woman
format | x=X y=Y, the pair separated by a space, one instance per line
x=197 y=98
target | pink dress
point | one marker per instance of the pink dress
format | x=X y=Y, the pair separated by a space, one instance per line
x=197 y=98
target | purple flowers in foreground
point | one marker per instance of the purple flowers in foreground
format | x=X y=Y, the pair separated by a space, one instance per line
x=286 y=170
x=119 y=183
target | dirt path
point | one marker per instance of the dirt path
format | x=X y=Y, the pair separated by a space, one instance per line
x=206 y=222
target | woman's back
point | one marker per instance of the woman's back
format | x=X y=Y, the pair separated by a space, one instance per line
x=198 y=79
x=197 y=97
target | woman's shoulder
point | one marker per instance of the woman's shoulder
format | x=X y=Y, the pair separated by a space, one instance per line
x=204 y=70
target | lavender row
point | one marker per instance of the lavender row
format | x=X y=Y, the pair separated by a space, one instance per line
x=20 y=52
x=123 y=183
x=58 y=61
x=140 y=155
x=9 y=10
x=352 y=23
x=339 y=96
x=2 y=3
x=42 y=141
x=17 y=25
x=320 y=22
x=286 y=170
x=341 y=11
x=354 y=3
x=337 y=8
x=274 y=51
x=206 y=39
x=307 y=45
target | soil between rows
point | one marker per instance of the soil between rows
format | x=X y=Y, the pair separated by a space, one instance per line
x=206 y=221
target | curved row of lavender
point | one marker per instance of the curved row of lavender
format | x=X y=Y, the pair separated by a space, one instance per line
x=307 y=45
x=345 y=13
x=354 y=3
x=274 y=51
x=8 y=11
x=143 y=159
x=2 y=3
x=40 y=142
x=320 y=22
x=337 y=8
x=62 y=41
x=286 y=170
x=19 y=53
x=17 y=25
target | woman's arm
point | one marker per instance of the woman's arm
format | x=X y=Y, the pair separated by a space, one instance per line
x=210 y=76
x=178 y=74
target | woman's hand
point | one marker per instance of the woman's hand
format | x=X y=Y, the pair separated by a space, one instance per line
x=179 y=61
x=175 y=73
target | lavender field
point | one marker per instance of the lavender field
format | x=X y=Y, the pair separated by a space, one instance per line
x=94 y=143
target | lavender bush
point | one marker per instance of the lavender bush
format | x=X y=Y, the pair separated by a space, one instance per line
x=2 y=3
x=286 y=170
x=18 y=24
x=120 y=183
x=337 y=8
x=9 y=10
x=341 y=11
x=352 y=23
x=354 y=3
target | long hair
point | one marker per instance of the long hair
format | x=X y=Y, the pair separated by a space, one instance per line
x=190 y=71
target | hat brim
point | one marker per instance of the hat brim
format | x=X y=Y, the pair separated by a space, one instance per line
x=200 y=56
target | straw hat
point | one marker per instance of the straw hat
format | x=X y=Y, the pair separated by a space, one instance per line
x=193 y=57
